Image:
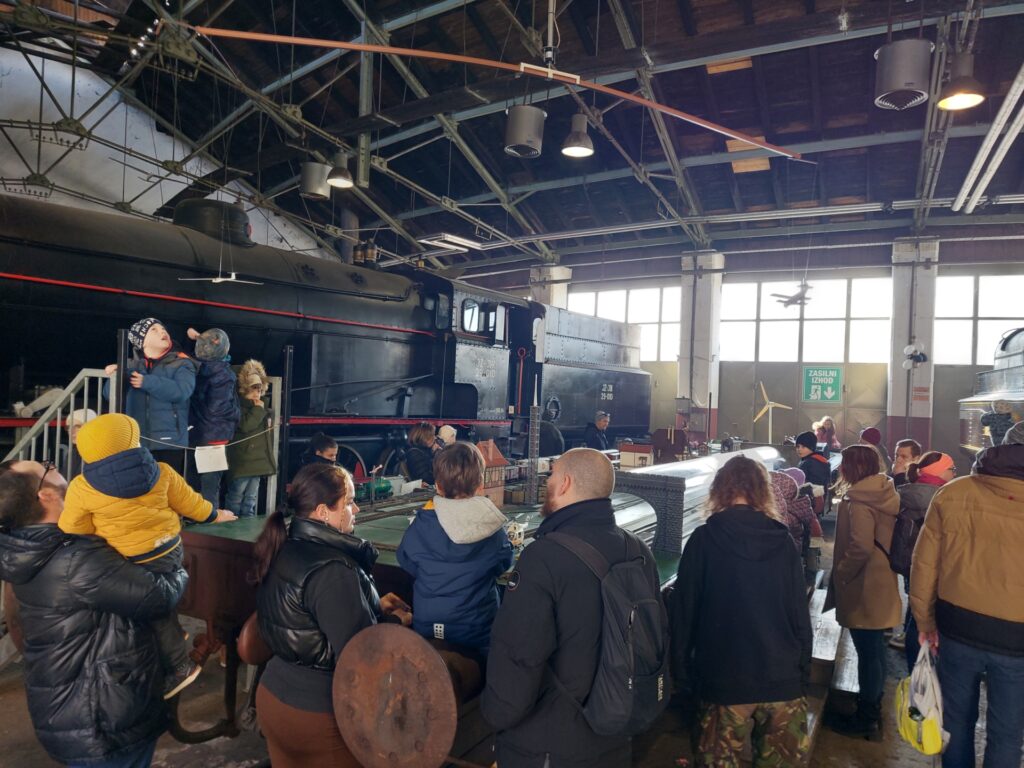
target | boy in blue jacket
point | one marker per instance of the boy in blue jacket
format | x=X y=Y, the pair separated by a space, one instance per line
x=455 y=548
x=214 y=411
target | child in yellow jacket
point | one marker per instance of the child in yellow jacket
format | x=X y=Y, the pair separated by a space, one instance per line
x=124 y=496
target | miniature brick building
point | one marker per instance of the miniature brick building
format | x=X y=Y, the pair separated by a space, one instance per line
x=494 y=472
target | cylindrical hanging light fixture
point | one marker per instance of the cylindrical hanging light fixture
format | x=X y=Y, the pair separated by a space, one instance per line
x=578 y=142
x=962 y=91
x=524 y=131
x=340 y=177
x=903 y=73
x=313 y=181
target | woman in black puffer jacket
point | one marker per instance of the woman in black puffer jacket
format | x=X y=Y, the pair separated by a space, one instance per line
x=315 y=594
x=93 y=677
x=419 y=456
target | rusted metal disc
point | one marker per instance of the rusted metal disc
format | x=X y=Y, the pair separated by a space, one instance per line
x=393 y=699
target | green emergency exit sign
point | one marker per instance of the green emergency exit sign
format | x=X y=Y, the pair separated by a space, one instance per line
x=822 y=385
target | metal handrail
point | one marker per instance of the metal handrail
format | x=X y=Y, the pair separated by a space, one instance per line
x=89 y=383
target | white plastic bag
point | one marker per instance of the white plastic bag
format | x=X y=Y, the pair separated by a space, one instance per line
x=919 y=706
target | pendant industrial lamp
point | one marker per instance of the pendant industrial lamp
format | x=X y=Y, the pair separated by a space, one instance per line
x=313 y=181
x=524 y=131
x=578 y=143
x=962 y=91
x=340 y=177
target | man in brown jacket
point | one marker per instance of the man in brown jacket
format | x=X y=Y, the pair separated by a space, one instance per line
x=967 y=595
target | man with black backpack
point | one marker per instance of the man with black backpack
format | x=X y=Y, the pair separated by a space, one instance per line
x=569 y=677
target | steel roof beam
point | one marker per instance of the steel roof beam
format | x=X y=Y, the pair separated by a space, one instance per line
x=626 y=26
x=715 y=158
x=451 y=129
x=399 y=22
x=869 y=24
x=672 y=242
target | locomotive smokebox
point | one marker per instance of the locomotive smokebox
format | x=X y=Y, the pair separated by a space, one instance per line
x=220 y=220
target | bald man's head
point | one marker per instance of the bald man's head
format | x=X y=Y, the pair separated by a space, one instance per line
x=578 y=475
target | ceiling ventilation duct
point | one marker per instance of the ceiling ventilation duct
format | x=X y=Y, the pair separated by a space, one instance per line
x=903 y=73
x=313 y=183
x=524 y=131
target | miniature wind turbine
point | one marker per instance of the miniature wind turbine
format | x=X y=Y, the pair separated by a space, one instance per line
x=769 y=407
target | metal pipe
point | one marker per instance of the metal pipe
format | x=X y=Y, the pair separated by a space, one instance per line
x=1012 y=96
x=549 y=49
x=997 y=158
x=565 y=78
x=684 y=62
x=121 y=403
x=286 y=417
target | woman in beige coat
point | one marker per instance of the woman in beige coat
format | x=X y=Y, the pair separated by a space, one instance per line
x=863 y=588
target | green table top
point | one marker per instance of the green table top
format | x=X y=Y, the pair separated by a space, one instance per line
x=386 y=532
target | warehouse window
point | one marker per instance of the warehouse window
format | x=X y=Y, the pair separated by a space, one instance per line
x=841 y=321
x=972 y=313
x=655 y=310
x=611 y=305
x=582 y=302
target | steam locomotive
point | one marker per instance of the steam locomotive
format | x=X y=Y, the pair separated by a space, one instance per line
x=374 y=350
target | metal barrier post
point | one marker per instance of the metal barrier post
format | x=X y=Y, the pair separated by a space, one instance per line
x=286 y=417
x=119 y=404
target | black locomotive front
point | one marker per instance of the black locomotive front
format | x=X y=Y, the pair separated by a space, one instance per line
x=374 y=351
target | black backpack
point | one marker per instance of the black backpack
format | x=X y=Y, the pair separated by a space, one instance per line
x=904 y=537
x=630 y=688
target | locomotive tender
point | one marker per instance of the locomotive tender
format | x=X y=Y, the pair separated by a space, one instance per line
x=998 y=395
x=374 y=350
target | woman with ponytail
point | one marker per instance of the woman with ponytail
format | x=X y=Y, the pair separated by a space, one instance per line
x=932 y=471
x=315 y=593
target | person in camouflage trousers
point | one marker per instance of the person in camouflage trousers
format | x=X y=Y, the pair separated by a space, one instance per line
x=741 y=628
x=777 y=732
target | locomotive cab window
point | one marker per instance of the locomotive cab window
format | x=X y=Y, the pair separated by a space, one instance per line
x=471 y=316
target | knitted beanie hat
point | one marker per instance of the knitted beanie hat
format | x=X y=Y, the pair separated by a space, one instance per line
x=106 y=435
x=212 y=345
x=447 y=434
x=871 y=436
x=1015 y=434
x=137 y=333
x=784 y=486
x=796 y=473
x=80 y=416
x=808 y=440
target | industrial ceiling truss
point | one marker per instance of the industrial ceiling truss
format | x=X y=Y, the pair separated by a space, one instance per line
x=710 y=121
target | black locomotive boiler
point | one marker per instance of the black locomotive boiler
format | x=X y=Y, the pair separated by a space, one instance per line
x=375 y=350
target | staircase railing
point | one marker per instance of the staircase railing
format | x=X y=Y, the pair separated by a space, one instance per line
x=50 y=437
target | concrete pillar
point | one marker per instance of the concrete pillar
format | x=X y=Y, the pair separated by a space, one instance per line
x=545 y=291
x=911 y=394
x=698 y=341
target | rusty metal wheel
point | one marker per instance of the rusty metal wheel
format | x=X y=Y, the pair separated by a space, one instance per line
x=393 y=699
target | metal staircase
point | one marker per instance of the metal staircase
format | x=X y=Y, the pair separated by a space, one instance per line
x=49 y=438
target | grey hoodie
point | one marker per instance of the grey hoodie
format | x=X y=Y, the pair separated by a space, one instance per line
x=467 y=521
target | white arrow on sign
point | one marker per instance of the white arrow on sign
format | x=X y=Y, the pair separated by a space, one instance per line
x=829 y=392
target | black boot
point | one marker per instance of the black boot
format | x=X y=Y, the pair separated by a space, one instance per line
x=865 y=723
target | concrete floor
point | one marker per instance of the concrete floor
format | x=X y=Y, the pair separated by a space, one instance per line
x=661 y=747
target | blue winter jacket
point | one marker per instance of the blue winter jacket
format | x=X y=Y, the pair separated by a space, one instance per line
x=214 y=410
x=455 y=549
x=161 y=406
